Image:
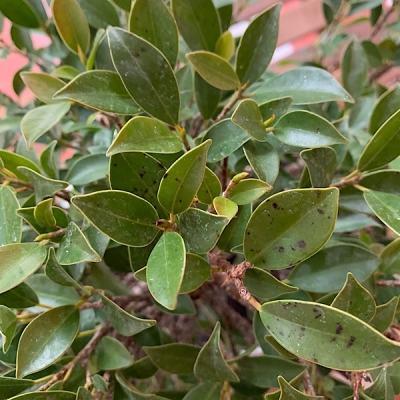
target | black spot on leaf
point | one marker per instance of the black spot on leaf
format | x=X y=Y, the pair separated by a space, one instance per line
x=351 y=341
x=320 y=211
x=339 y=328
x=302 y=244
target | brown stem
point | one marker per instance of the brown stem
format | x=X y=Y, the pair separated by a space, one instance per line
x=235 y=98
x=380 y=71
x=348 y=182
x=307 y=379
x=356 y=383
x=224 y=173
x=63 y=194
x=383 y=20
x=383 y=283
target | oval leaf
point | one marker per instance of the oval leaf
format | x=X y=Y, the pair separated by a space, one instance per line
x=20 y=12
x=10 y=222
x=225 y=207
x=249 y=190
x=88 y=169
x=207 y=97
x=111 y=354
x=22 y=296
x=11 y=386
x=43 y=86
x=209 y=188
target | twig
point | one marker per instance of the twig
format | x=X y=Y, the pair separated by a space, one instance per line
x=235 y=98
x=383 y=283
x=83 y=355
x=224 y=173
x=356 y=383
x=383 y=20
x=348 y=182
x=110 y=379
x=380 y=71
x=307 y=379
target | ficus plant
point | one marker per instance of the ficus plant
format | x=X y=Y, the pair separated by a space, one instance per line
x=177 y=221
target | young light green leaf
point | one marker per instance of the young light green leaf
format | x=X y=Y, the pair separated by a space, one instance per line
x=200 y=230
x=165 y=269
x=210 y=187
x=8 y=323
x=144 y=134
x=288 y=392
x=327 y=336
x=225 y=207
x=214 y=69
x=355 y=300
x=10 y=222
x=249 y=190
x=9 y=163
x=18 y=261
x=39 y=120
x=123 y=322
x=384 y=315
x=204 y=391
x=101 y=90
x=326 y=271
x=386 y=207
x=257 y=45
x=43 y=86
x=37 y=351
x=182 y=180
x=197 y=271
x=164 y=33
x=210 y=363
x=22 y=296
x=111 y=354
x=48 y=161
x=207 y=97
x=43 y=213
x=306 y=129
x=124 y=217
x=306 y=85
x=21 y=13
x=11 y=386
x=146 y=74
x=383 y=147
x=198 y=23
x=72 y=25
x=289 y=227
x=225 y=46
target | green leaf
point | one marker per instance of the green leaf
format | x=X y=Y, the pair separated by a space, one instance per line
x=197 y=271
x=288 y=392
x=225 y=207
x=8 y=323
x=100 y=14
x=326 y=271
x=22 y=296
x=88 y=169
x=210 y=364
x=124 y=4
x=306 y=129
x=327 y=336
x=43 y=86
x=124 y=217
x=384 y=315
x=210 y=187
x=382 y=181
x=200 y=230
x=49 y=395
x=257 y=45
x=165 y=269
x=18 y=261
x=145 y=134
x=174 y=358
x=185 y=305
x=44 y=187
x=43 y=213
x=9 y=162
x=10 y=222
x=321 y=165
x=226 y=138
x=48 y=161
x=101 y=90
x=354 y=68
x=264 y=285
x=355 y=300
x=103 y=278
x=248 y=116
x=390 y=258
x=163 y=33
x=72 y=25
x=123 y=322
x=83 y=394
x=204 y=391
x=182 y=180
x=198 y=23
x=20 y=12
x=385 y=107
x=290 y=227
x=146 y=74
x=37 y=351
x=276 y=107
x=383 y=147
x=111 y=354
x=11 y=386
x=306 y=85
x=382 y=389
x=39 y=120
x=225 y=46
x=386 y=207
x=207 y=97
x=249 y=190
x=214 y=69
x=141 y=369
x=263 y=159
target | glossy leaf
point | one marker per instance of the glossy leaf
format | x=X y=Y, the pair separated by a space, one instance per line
x=382 y=181
x=8 y=324
x=306 y=129
x=48 y=161
x=88 y=169
x=123 y=322
x=386 y=207
x=289 y=227
x=124 y=217
x=146 y=74
x=197 y=271
x=21 y=296
x=288 y=392
x=39 y=120
x=200 y=230
x=111 y=355
x=10 y=222
x=355 y=300
x=321 y=164
x=383 y=147
x=18 y=261
x=43 y=213
x=214 y=69
x=11 y=386
x=48 y=395
x=210 y=364
x=35 y=350
x=101 y=90
x=9 y=163
x=145 y=134
x=207 y=97
x=182 y=180
x=390 y=258
x=306 y=85
x=249 y=190
x=204 y=391
x=225 y=207
x=72 y=25
x=174 y=358
x=384 y=315
x=327 y=336
x=198 y=23
x=164 y=33
x=20 y=12
x=100 y=14
x=257 y=45
x=165 y=269
x=43 y=86
x=210 y=187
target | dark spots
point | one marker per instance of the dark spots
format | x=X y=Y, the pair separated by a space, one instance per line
x=320 y=211
x=146 y=191
x=177 y=180
x=142 y=49
x=275 y=205
x=165 y=175
x=293 y=248
x=318 y=316
x=286 y=305
x=141 y=175
x=136 y=55
x=333 y=339
x=251 y=249
x=329 y=217
x=314 y=360
x=154 y=182
x=339 y=328
x=302 y=328
x=316 y=310
x=115 y=165
x=180 y=200
x=351 y=341
x=281 y=333
x=302 y=244
x=258 y=251
x=160 y=165
x=294 y=306
x=318 y=193
x=281 y=249
x=248 y=233
x=146 y=30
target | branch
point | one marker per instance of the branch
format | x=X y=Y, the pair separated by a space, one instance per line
x=383 y=20
x=381 y=71
x=348 y=182
x=235 y=98
x=307 y=379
